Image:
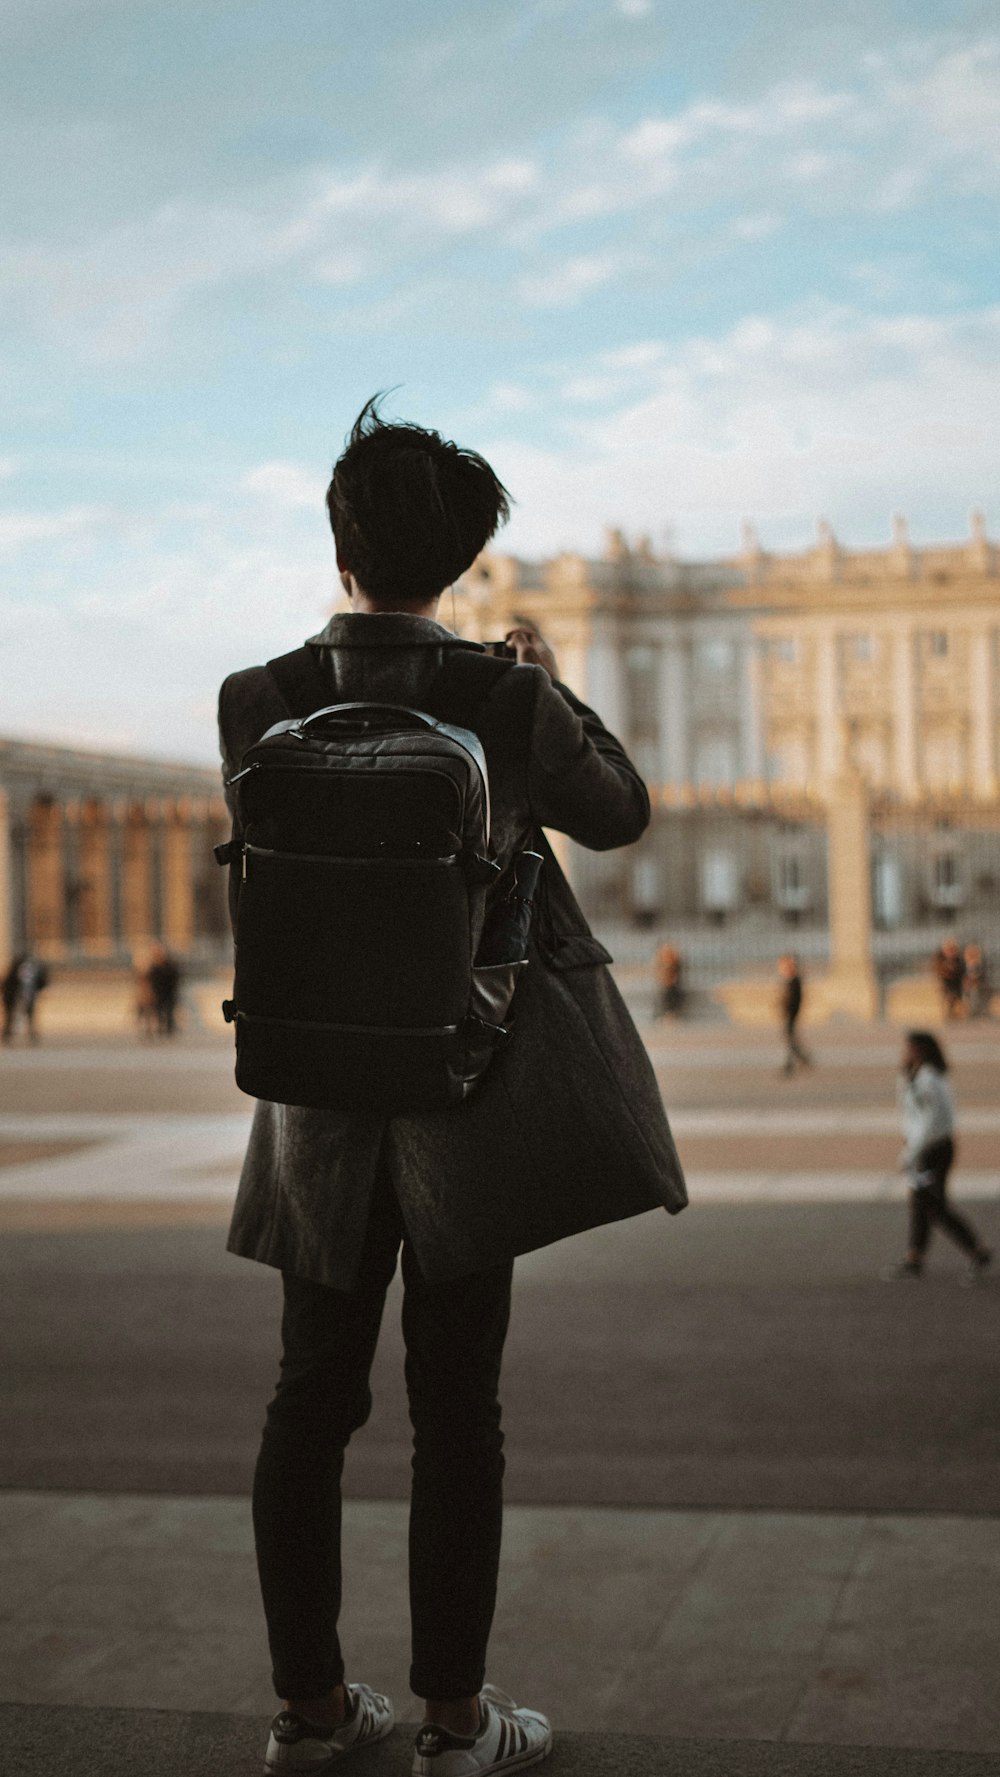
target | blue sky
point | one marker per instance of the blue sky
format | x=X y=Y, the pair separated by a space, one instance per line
x=668 y=265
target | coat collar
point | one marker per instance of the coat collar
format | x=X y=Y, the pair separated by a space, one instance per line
x=381 y=629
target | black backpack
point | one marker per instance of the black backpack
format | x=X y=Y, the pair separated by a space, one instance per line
x=378 y=942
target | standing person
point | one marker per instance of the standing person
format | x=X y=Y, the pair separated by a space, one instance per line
x=24 y=981
x=949 y=967
x=669 y=971
x=975 y=982
x=790 y=1007
x=145 y=1002
x=164 y=977
x=928 y=1110
x=565 y=1131
x=11 y=993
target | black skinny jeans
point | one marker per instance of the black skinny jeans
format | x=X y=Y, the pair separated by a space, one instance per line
x=929 y=1203
x=454 y=1335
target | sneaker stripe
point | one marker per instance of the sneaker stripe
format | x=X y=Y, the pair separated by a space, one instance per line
x=522 y=1738
x=502 y=1742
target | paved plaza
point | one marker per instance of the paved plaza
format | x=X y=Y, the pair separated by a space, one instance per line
x=754 y=1493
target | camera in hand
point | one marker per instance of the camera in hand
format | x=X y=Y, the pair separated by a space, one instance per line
x=500 y=650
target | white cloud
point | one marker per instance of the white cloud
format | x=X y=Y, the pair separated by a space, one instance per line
x=634 y=9
x=783 y=418
x=287 y=484
x=511 y=398
x=562 y=284
x=18 y=529
x=724 y=171
x=757 y=227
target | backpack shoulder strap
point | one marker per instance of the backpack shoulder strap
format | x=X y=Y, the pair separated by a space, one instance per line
x=301 y=681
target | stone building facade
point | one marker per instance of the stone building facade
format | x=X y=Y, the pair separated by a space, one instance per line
x=748 y=690
x=747 y=687
x=102 y=855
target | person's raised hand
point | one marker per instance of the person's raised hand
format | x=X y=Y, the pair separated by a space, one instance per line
x=531 y=648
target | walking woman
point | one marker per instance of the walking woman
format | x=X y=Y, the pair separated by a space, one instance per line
x=929 y=1130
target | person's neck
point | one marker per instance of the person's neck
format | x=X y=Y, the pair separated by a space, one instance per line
x=362 y=603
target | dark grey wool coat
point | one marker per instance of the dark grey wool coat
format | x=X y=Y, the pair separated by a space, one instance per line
x=567 y=1128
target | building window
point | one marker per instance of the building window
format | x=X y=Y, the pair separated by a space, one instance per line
x=887 y=891
x=860 y=648
x=946 y=885
x=792 y=892
x=642 y=678
x=937 y=643
x=647 y=890
x=714 y=655
x=715 y=762
x=719 y=883
x=783 y=648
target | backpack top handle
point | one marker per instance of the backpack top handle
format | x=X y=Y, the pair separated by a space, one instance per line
x=387 y=715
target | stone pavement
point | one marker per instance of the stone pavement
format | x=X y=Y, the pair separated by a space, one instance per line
x=62 y=1742
x=797 y=1629
x=762 y=1642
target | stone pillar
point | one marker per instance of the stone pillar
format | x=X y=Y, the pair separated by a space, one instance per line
x=178 y=888
x=46 y=889
x=117 y=820
x=905 y=715
x=95 y=854
x=72 y=887
x=983 y=716
x=751 y=713
x=675 y=738
x=829 y=732
x=137 y=880
x=605 y=678
x=850 y=986
x=8 y=942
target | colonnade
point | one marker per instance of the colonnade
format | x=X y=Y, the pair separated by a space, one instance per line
x=92 y=877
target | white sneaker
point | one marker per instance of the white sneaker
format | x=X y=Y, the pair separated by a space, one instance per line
x=509 y=1739
x=296 y=1744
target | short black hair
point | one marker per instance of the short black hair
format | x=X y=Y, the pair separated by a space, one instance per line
x=409 y=510
x=928 y=1048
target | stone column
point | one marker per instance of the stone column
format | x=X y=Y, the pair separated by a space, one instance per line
x=983 y=715
x=905 y=715
x=96 y=912
x=137 y=880
x=46 y=896
x=8 y=942
x=605 y=678
x=751 y=712
x=829 y=734
x=117 y=819
x=850 y=986
x=178 y=888
x=72 y=886
x=675 y=736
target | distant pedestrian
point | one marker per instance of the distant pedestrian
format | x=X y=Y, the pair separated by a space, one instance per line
x=24 y=981
x=11 y=995
x=949 y=967
x=164 y=982
x=145 y=1005
x=928 y=1110
x=975 y=982
x=790 y=998
x=670 y=989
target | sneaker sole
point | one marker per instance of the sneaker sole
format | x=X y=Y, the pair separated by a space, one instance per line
x=521 y=1762
x=335 y=1759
